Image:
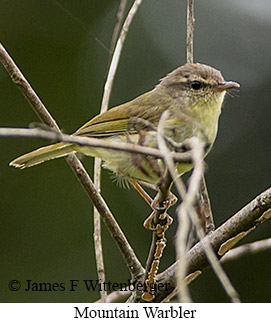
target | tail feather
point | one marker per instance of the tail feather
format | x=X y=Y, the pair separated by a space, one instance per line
x=42 y=154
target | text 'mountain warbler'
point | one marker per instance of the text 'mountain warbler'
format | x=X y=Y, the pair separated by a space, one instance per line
x=193 y=95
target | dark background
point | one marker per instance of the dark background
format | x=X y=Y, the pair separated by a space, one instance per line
x=45 y=216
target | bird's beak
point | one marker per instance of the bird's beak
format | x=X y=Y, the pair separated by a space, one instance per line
x=227 y=86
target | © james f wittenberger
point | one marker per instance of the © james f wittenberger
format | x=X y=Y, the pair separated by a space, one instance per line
x=90 y=285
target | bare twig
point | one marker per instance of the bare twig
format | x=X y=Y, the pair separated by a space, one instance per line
x=235 y=228
x=97 y=234
x=190 y=31
x=127 y=252
x=116 y=56
x=116 y=31
x=184 y=157
x=205 y=207
x=247 y=249
x=184 y=211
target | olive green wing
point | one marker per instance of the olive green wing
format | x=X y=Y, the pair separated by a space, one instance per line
x=119 y=120
x=105 y=124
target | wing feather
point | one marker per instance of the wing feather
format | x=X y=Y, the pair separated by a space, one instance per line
x=148 y=106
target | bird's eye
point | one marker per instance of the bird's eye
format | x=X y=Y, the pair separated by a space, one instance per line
x=196 y=85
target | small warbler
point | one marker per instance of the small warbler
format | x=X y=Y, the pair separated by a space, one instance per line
x=193 y=94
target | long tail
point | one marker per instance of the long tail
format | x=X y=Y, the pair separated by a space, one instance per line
x=42 y=154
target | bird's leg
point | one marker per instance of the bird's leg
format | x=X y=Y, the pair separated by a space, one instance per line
x=153 y=203
x=141 y=191
x=160 y=211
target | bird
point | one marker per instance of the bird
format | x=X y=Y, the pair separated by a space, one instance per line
x=192 y=94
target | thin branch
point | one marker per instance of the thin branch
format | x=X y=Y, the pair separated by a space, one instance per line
x=127 y=252
x=189 y=31
x=205 y=207
x=97 y=234
x=97 y=161
x=247 y=249
x=184 y=211
x=116 y=56
x=117 y=28
x=251 y=215
x=184 y=157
